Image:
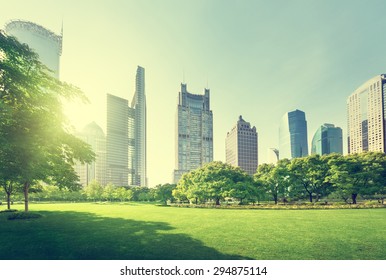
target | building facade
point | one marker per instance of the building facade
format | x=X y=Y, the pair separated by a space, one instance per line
x=327 y=139
x=117 y=141
x=44 y=42
x=293 y=141
x=366 y=116
x=241 y=146
x=139 y=106
x=194 y=132
x=96 y=170
x=126 y=137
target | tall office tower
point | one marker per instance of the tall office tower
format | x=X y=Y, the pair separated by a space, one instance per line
x=241 y=146
x=367 y=116
x=194 y=132
x=293 y=135
x=327 y=139
x=139 y=106
x=117 y=141
x=272 y=155
x=94 y=136
x=44 y=42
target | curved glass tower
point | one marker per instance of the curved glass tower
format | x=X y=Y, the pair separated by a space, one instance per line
x=44 y=42
x=327 y=139
x=293 y=135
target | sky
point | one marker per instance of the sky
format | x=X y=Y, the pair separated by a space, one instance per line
x=260 y=59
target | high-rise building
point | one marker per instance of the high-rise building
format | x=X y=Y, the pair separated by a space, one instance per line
x=293 y=135
x=241 y=146
x=96 y=170
x=272 y=155
x=126 y=137
x=327 y=139
x=194 y=131
x=117 y=141
x=44 y=42
x=139 y=106
x=367 y=116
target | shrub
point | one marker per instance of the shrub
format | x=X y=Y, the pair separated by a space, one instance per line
x=24 y=216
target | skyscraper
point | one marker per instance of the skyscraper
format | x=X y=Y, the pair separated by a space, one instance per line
x=44 y=42
x=126 y=137
x=117 y=141
x=139 y=106
x=293 y=135
x=241 y=146
x=96 y=170
x=194 y=131
x=367 y=116
x=272 y=155
x=327 y=139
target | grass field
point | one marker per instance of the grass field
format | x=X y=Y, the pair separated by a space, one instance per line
x=144 y=231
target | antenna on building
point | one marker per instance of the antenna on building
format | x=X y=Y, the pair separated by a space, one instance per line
x=61 y=31
x=183 y=76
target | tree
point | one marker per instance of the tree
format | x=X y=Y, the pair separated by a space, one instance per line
x=311 y=173
x=35 y=139
x=358 y=174
x=274 y=179
x=108 y=192
x=94 y=190
x=164 y=192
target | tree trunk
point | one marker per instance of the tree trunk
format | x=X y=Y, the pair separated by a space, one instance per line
x=275 y=199
x=26 y=189
x=310 y=197
x=8 y=200
x=196 y=200
x=217 y=201
x=354 y=198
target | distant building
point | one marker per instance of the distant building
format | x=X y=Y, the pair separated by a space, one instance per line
x=293 y=135
x=194 y=132
x=96 y=170
x=241 y=146
x=367 y=116
x=117 y=140
x=126 y=137
x=272 y=155
x=44 y=42
x=327 y=139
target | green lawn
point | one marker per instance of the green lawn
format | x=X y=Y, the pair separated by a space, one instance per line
x=143 y=231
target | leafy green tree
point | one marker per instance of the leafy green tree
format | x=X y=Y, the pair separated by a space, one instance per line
x=94 y=190
x=274 y=179
x=188 y=188
x=311 y=173
x=164 y=192
x=358 y=174
x=109 y=192
x=35 y=140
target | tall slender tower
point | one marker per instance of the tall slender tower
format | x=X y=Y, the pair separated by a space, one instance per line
x=44 y=42
x=367 y=116
x=194 y=131
x=139 y=106
x=293 y=141
x=241 y=146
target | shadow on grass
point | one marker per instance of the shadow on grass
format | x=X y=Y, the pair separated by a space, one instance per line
x=86 y=236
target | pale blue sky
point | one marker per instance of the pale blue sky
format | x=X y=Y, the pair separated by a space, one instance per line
x=260 y=59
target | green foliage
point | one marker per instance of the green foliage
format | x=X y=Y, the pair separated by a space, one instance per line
x=164 y=192
x=8 y=211
x=35 y=140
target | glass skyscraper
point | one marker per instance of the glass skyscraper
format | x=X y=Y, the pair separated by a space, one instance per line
x=293 y=135
x=366 y=116
x=327 y=139
x=194 y=132
x=126 y=137
x=139 y=106
x=241 y=146
x=44 y=42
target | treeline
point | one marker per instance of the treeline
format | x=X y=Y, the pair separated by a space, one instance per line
x=311 y=178
x=94 y=192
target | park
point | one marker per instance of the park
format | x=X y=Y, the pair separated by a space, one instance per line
x=143 y=231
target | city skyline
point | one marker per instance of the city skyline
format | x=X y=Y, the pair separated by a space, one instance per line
x=259 y=60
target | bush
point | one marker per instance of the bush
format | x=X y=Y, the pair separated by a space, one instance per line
x=24 y=216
